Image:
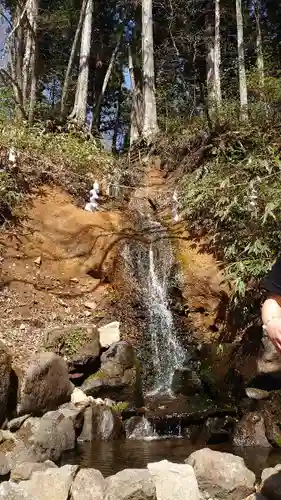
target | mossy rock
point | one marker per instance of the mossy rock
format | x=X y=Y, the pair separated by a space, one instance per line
x=78 y=344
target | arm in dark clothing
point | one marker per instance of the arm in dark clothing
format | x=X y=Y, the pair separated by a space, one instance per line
x=272 y=282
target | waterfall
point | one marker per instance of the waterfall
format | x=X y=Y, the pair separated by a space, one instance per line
x=168 y=355
x=150 y=269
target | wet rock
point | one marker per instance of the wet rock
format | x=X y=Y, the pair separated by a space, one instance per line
x=16 y=423
x=250 y=431
x=4 y=465
x=136 y=484
x=222 y=475
x=269 y=360
x=186 y=382
x=109 y=334
x=174 y=481
x=79 y=344
x=50 y=484
x=24 y=471
x=45 y=385
x=138 y=428
x=88 y=484
x=5 y=377
x=271 y=411
x=214 y=430
x=101 y=422
x=12 y=491
x=118 y=377
x=271 y=483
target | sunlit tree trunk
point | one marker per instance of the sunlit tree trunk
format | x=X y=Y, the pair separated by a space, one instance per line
x=150 y=127
x=72 y=56
x=260 y=58
x=241 y=63
x=213 y=59
x=79 y=112
x=137 y=104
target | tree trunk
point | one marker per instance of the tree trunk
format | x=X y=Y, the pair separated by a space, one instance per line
x=137 y=104
x=213 y=58
x=217 y=55
x=260 y=59
x=72 y=56
x=33 y=18
x=81 y=97
x=150 y=127
x=106 y=79
x=241 y=63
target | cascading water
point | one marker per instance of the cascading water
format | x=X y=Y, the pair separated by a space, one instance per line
x=151 y=268
x=168 y=355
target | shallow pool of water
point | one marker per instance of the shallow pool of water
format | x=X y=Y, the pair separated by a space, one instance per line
x=112 y=456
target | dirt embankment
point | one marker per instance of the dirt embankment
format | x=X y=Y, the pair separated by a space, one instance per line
x=61 y=265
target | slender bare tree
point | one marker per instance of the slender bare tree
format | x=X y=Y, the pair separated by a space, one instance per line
x=79 y=112
x=241 y=63
x=137 y=103
x=213 y=59
x=72 y=56
x=150 y=126
x=259 y=46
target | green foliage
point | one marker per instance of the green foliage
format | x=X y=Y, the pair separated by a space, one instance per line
x=233 y=197
x=121 y=407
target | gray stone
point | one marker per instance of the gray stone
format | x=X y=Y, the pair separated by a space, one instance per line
x=222 y=475
x=138 y=428
x=88 y=484
x=101 y=423
x=79 y=344
x=45 y=385
x=51 y=484
x=174 y=481
x=5 y=379
x=130 y=484
x=12 y=491
x=250 y=431
x=55 y=434
x=4 y=465
x=16 y=423
x=118 y=377
x=271 y=483
x=24 y=471
x=109 y=334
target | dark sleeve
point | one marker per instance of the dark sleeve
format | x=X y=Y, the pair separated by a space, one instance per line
x=272 y=282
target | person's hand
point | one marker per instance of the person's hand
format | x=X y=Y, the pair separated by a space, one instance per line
x=273 y=329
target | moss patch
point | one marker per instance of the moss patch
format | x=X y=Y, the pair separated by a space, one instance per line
x=121 y=406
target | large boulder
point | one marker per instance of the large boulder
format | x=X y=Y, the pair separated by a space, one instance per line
x=174 y=481
x=118 y=377
x=101 y=423
x=5 y=377
x=88 y=484
x=222 y=475
x=24 y=471
x=12 y=491
x=250 y=431
x=56 y=433
x=130 y=484
x=51 y=484
x=45 y=385
x=78 y=344
x=271 y=483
